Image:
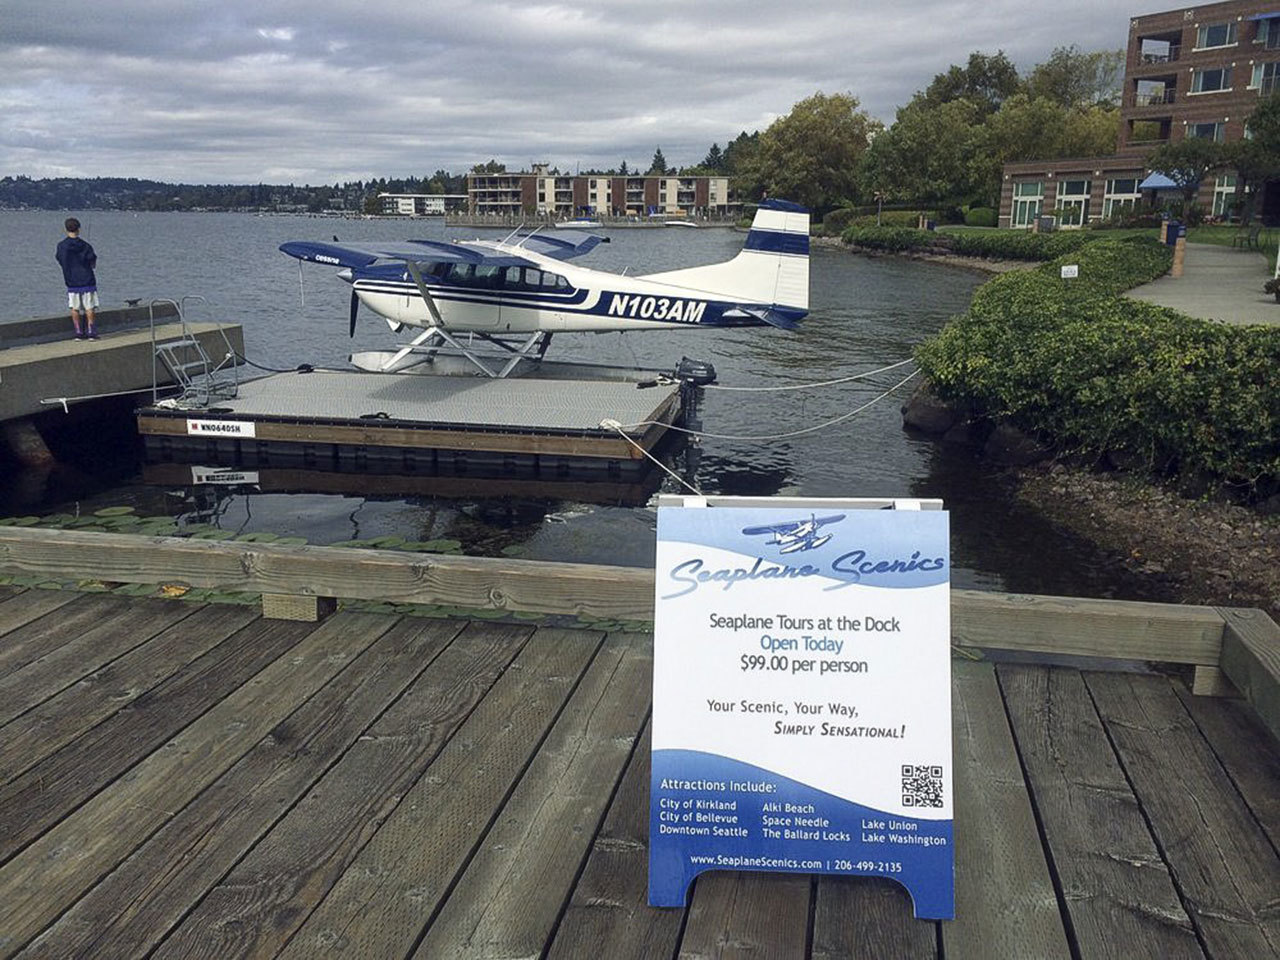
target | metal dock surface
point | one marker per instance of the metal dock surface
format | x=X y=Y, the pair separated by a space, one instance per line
x=322 y=417
x=187 y=780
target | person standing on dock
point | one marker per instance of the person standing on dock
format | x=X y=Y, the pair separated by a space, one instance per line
x=77 y=259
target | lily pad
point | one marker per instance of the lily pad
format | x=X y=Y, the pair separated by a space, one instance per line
x=291 y=541
x=257 y=538
x=441 y=546
x=512 y=550
x=113 y=511
x=214 y=534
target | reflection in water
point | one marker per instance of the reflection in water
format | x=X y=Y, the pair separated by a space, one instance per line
x=866 y=313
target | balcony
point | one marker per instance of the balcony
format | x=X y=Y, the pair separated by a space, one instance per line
x=1169 y=55
x=1154 y=98
x=1268 y=86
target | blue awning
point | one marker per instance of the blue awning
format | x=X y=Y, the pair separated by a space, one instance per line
x=1158 y=181
x=1264 y=16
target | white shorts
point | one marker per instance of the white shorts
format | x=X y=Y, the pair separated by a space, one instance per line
x=86 y=301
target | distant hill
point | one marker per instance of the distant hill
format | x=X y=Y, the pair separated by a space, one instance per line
x=121 y=193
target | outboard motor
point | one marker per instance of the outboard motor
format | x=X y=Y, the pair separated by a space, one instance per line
x=696 y=372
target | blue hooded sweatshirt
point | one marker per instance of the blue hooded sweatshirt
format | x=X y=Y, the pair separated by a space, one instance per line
x=78 y=260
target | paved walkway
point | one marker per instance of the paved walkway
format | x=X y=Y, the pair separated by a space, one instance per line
x=1218 y=283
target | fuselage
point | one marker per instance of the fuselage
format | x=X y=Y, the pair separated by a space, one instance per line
x=552 y=295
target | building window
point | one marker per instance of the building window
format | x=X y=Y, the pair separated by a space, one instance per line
x=1216 y=35
x=1224 y=195
x=1211 y=81
x=1028 y=198
x=1122 y=194
x=1073 y=203
x=1206 y=131
x=1268 y=33
x=1266 y=77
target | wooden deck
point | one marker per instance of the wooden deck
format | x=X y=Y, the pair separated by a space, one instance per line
x=179 y=780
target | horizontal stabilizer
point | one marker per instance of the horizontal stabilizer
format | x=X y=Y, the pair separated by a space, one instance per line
x=782 y=319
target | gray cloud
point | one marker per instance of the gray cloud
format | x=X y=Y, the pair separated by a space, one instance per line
x=324 y=91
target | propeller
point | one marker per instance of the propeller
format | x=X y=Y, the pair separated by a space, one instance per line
x=355 y=306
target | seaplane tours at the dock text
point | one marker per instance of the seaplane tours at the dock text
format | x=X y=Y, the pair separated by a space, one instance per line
x=513 y=294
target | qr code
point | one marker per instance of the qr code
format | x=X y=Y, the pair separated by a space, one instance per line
x=921 y=785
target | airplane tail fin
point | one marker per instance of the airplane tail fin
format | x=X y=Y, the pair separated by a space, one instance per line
x=772 y=269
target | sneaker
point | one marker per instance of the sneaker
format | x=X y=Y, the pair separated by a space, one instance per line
x=81 y=336
x=93 y=334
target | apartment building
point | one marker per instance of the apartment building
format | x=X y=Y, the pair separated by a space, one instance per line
x=541 y=192
x=1189 y=72
x=420 y=204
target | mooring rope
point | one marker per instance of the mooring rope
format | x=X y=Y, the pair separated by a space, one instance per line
x=775 y=436
x=809 y=386
x=608 y=424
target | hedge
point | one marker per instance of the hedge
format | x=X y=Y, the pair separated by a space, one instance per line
x=980 y=217
x=1093 y=372
x=997 y=244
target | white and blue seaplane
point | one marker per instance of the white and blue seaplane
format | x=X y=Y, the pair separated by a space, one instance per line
x=513 y=294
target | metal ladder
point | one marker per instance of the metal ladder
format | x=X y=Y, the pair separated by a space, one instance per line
x=194 y=372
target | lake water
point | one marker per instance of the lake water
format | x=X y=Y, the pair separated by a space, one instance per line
x=865 y=314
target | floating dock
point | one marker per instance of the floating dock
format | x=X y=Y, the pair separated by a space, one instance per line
x=527 y=427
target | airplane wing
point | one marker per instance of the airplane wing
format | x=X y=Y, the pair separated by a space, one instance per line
x=561 y=248
x=359 y=255
x=771 y=528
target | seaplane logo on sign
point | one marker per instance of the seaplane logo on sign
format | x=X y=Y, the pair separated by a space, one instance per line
x=220 y=428
x=796 y=535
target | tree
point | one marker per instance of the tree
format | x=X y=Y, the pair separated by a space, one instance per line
x=987 y=80
x=1188 y=162
x=622 y=169
x=659 y=164
x=492 y=166
x=929 y=155
x=1072 y=78
x=714 y=160
x=812 y=154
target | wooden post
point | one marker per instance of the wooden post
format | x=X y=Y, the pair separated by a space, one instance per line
x=289 y=606
x=1179 y=254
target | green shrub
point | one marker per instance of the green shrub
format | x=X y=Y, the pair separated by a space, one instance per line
x=892 y=239
x=1019 y=244
x=838 y=221
x=980 y=217
x=1095 y=372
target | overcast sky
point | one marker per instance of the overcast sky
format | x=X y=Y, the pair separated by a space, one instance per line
x=278 y=91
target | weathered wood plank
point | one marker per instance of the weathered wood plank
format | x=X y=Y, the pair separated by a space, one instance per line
x=49 y=790
x=531 y=585
x=510 y=898
x=137 y=904
x=53 y=872
x=1116 y=887
x=1086 y=627
x=747 y=914
x=1225 y=869
x=106 y=691
x=1005 y=901
x=109 y=638
x=382 y=902
x=33 y=634
x=609 y=914
x=20 y=607
x=272 y=891
x=871 y=918
x=1103 y=628
x=1247 y=751
x=1251 y=660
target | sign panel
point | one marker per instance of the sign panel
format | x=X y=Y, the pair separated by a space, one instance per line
x=1070 y=271
x=220 y=428
x=802 y=697
x=223 y=476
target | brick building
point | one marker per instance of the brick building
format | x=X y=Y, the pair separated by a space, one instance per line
x=1189 y=72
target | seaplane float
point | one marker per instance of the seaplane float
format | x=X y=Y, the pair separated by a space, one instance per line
x=498 y=302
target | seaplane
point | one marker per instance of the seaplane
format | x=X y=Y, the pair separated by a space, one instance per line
x=513 y=294
x=796 y=535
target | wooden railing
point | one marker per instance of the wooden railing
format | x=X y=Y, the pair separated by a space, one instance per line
x=1229 y=649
